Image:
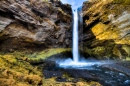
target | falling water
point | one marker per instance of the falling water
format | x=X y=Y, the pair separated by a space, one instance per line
x=75 y=4
x=77 y=61
x=75 y=35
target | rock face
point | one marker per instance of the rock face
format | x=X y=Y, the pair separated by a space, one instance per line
x=36 y=25
x=107 y=28
x=33 y=25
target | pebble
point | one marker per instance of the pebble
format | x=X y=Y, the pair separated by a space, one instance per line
x=121 y=74
x=127 y=82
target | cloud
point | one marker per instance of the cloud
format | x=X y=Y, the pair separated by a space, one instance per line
x=74 y=3
x=71 y=2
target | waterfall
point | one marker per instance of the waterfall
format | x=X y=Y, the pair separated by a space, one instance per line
x=77 y=22
x=75 y=49
x=76 y=6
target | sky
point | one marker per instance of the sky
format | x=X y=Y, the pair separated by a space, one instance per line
x=74 y=3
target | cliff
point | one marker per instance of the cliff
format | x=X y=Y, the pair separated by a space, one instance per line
x=28 y=26
x=34 y=25
x=107 y=28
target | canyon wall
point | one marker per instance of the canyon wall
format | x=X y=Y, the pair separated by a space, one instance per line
x=107 y=28
x=30 y=25
x=26 y=28
x=34 y=25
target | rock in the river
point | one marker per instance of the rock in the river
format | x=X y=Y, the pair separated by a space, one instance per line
x=32 y=24
x=108 y=22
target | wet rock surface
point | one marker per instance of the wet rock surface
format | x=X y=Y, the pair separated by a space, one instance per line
x=115 y=74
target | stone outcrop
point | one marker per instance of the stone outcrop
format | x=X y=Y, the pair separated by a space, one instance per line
x=108 y=23
x=34 y=25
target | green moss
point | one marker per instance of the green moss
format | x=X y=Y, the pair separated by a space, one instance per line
x=127 y=2
x=47 y=53
x=14 y=71
x=96 y=52
x=9 y=58
x=128 y=58
x=100 y=49
x=36 y=56
x=117 y=52
x=127 y=49
x=99 y=29
x=99 y=52
x=118 y=1
x=52 y=82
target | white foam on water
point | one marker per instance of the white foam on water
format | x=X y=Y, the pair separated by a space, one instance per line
x=83 y=64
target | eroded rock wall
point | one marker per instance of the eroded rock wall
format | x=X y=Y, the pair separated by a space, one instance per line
x=107 y=28
x=34 y=25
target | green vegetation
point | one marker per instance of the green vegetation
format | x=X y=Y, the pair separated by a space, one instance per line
x=38 y=56
x=127 y=2
x=18 y=72
x=100 y=52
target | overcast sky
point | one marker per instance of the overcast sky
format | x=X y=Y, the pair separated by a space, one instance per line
x=74 y=3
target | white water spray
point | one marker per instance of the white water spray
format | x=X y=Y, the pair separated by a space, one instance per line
x=75 y=49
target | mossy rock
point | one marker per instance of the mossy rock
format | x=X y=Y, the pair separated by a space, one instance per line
x=126 y=48
x=99 y=29
x=35 y=57
x=100 y=49
x=52 y=82
x=128 y=58
x=127 y=2
x=98 y=52
x=16 y=71
x=39 y=56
